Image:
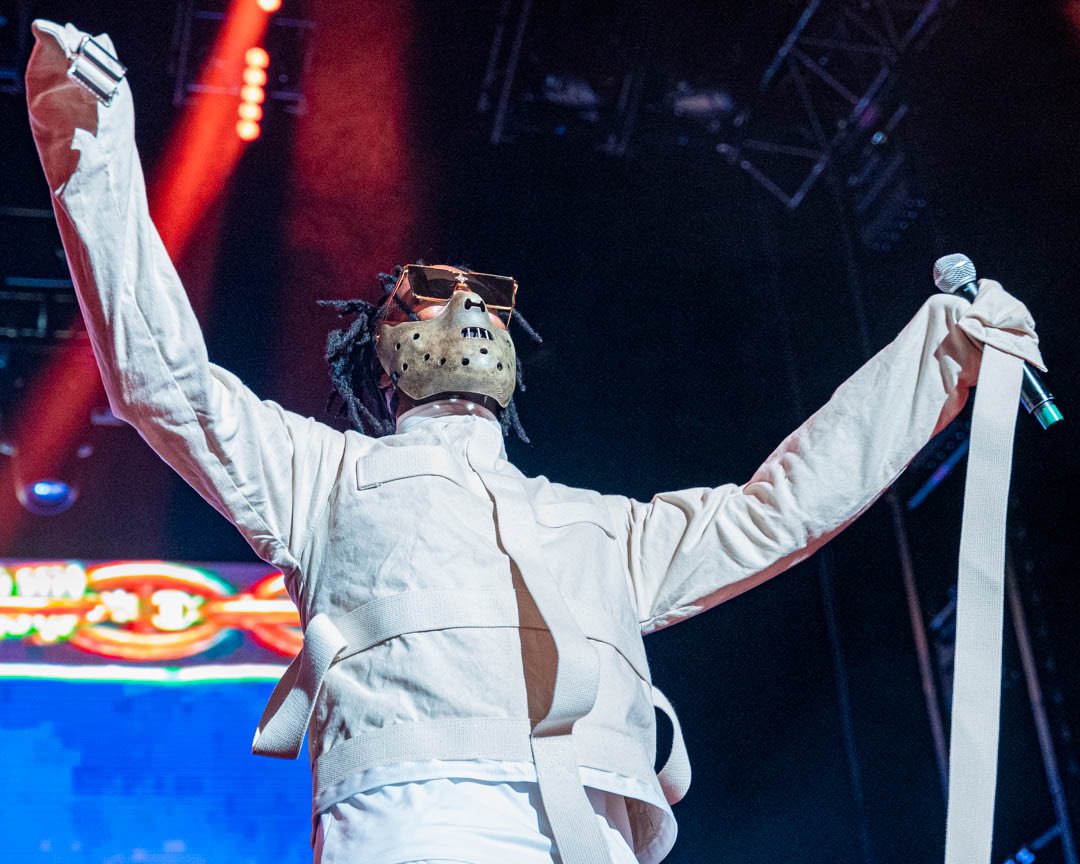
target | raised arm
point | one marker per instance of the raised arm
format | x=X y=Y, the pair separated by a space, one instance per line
x=693 y=549
x=263 y=468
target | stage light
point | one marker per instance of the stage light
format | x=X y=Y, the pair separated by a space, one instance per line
x=248 y=130
x=269 y=6
x=47 y=497
x=47 y=483
x=252 y=94
x=248 y=111
x=257 y=57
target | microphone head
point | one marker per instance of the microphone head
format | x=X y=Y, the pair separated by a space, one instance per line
x=953 y=272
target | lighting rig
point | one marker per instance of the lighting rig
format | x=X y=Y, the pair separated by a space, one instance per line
x=537 y=84
x=829 y=104
x=38 y=323
x=828 y=98
x=273 y=64
x=838 y=67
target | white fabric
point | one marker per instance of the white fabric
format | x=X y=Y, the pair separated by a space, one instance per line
x=577 y=673
x=489 y=772
x=350 y=520
x=980 y=603
x=443 y=408
x=459 y=819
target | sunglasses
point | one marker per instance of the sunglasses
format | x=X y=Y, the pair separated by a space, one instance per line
x=436 y=284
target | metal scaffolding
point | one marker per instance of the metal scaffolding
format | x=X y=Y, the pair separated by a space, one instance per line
x=288 y=41
x=838 y=69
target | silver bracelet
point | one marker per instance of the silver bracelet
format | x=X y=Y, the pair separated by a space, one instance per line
x=97 y=70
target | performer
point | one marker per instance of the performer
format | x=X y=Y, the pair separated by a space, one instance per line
x=473 y=682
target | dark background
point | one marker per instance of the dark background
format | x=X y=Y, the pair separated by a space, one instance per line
x=661 y=283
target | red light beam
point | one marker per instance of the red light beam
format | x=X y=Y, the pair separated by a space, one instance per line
x=204 y=147
x=199 y=159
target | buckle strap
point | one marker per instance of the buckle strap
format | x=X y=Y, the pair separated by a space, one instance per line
x=674 y=777
x=424 y=611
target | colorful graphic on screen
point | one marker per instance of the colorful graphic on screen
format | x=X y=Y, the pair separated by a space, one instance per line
x=145 y=621
x=104 y=764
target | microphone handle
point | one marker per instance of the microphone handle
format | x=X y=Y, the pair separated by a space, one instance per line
x=1034 y=396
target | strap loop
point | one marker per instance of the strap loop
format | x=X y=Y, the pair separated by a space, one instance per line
x=281 y=728
x=674 y=777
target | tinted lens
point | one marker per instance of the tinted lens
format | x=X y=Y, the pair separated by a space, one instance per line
x=437 y=283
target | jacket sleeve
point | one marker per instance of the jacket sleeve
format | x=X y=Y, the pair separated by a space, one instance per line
x=693 y=549
x=258 y=465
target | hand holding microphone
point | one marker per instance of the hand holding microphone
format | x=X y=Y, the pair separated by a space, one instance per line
x=955 y=274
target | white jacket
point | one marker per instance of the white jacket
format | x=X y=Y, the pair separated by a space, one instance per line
x=453 y=607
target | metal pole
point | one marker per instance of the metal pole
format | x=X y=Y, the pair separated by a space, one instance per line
x=483 y=102
x=843 y=698
x=511 y=72
x=922 y=644
x=825 y=580
x=1038 y=713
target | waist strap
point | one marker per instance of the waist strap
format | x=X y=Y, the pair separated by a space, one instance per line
x=328 y=641
x=499 y=739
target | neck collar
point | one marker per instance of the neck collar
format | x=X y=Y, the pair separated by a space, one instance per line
x=452 y=406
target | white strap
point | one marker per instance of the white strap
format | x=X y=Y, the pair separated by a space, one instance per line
x=384 y=463
x=294 y=696
x=448 y=739
x=674 y=777
x=577 y=679
x=979 y=612
x=451 y=739
x=329 y=641
x=497 y=738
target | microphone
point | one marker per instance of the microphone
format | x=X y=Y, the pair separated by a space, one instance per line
x=955 y=274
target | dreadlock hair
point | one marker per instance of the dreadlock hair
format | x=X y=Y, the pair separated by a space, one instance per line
x=355 y=368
